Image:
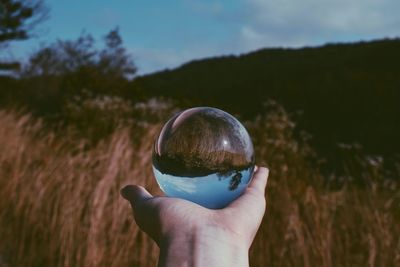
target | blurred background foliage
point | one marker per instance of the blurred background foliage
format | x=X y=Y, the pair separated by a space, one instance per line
x=77 y=124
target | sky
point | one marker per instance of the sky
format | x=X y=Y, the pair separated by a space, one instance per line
x=165 y=34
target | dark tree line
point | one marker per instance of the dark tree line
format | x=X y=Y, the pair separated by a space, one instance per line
x=340 y=93
x=345 y=93
x=70 y=69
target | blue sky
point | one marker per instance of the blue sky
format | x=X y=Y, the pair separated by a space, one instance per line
x=165 y=34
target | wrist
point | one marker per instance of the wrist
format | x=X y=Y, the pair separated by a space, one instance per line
x=203 y=246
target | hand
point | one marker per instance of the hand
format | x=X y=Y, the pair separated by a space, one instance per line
x=198 y=234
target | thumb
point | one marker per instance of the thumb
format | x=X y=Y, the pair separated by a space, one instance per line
x=143 y=211
x=135 y=194
x=253 y=198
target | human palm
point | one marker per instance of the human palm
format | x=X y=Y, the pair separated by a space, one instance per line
x=163 y=217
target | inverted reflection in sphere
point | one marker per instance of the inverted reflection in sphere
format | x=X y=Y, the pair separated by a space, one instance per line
x=204 y=155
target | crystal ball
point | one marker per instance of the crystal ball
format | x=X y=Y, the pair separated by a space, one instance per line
x=203 y=155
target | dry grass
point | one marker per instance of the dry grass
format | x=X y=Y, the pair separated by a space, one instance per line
x=60 y=202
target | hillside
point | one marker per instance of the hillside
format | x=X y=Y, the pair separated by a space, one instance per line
x=340 y=93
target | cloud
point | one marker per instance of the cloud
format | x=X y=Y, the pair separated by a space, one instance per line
x=298 y=23
x=149 y=59
x=208 y=8
x=245 y=25
x=105 y=17
x=156 y=59
x=185 y=185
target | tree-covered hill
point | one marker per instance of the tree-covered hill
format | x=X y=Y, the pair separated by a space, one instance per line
x=345 y=93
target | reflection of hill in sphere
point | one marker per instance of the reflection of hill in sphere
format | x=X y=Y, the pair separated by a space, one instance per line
x=201 y=141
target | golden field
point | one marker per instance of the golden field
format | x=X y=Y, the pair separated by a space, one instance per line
x=60 y=203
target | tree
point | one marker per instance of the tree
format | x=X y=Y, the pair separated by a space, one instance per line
x=114 y=59
x=17 y=21
x=76 y=70
x=80 y=55
x=63 y=57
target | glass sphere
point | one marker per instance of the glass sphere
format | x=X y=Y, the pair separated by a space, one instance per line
x=204 y=155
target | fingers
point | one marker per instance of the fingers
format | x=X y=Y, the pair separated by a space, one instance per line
x=260 y=179
x=253 y=196
x=135 y=194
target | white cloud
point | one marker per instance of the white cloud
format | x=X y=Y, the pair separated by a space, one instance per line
x=149 y=59
x=183 y=184
x=307 y=22
x=156 y=59
x=205 y=7
x=255 y=24
x=105 y=17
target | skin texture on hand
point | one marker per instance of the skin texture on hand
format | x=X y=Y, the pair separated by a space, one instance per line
x=191 y=235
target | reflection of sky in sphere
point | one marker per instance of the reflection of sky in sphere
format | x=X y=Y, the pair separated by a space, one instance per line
x=211 y=191
x=204 y=155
